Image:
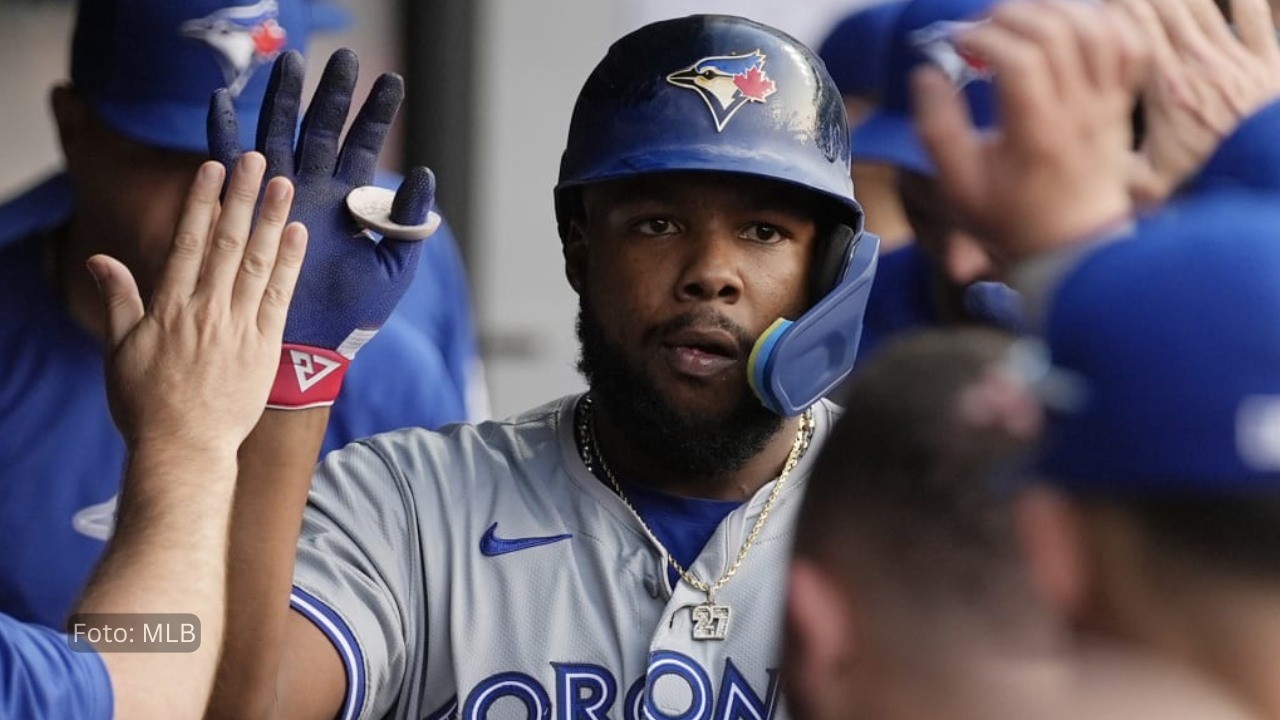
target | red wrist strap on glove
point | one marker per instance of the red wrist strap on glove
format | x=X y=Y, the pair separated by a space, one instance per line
x=307 y=377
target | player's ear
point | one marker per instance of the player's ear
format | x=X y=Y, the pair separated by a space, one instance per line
x=575 y=256
x=820 y=639
x=1051 y=529
x=72 y=117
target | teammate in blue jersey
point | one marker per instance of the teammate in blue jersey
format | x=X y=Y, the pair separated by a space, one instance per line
x=944 y=275
x=1150 y=523
x=188 y=377
x=618 y=553
x=951 y=274
x=1150 y=520
x=909 y=593
x=131 y=125
x=855 y=52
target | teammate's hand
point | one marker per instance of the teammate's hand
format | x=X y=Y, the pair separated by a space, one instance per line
x=350 y=284
x=1055 y=170
x=1205 y=81
x=193 y=368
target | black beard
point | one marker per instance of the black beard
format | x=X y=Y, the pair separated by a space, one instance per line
x=702 y=447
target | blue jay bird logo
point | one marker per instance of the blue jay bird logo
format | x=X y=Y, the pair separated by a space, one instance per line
x=937 y=43
x=244 y=36
x=726 y=83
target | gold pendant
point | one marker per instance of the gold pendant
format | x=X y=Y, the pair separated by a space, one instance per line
x=710 y=621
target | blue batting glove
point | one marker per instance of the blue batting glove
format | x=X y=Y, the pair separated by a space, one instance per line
x=350 y=283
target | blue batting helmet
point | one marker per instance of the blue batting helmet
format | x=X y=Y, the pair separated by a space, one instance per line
x=726 y=94
x=710 y=92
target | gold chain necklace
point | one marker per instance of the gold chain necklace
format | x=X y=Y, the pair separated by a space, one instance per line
x=710 y=619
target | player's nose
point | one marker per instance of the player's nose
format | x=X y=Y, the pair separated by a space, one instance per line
x=709 y=267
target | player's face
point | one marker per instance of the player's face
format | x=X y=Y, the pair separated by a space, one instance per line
x=686 y=270
x=132 y=194
x=683 y=271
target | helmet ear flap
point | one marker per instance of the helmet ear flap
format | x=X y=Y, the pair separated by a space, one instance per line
x=830 y=261
x=794 y=363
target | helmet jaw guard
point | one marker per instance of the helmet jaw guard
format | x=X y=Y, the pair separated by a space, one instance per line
x=715 y=93
x=793 y=364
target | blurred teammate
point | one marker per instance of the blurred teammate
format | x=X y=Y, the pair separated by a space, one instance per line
x=856 y=52
x=910 y=596
x=946 y=276
x=131 y=124
x=1154 y=521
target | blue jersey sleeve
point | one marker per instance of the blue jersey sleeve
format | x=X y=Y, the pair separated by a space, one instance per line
x=42 y=677
x=438 y=305
x=440 y=299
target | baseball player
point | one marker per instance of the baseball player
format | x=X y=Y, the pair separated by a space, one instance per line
x=909 y=595
x=188 y=379
x=855 y=52
x=131 y=123
x=1153 y=522
x=945 y=275
x=907 y=592
x=1189 y=107
x=614 y=554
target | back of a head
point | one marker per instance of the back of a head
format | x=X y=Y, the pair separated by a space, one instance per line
x=1173 y=336
x=148 y=67
x=904 y=500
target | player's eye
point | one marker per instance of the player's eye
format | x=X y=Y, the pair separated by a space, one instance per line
x=763 y=233
x=654 y=226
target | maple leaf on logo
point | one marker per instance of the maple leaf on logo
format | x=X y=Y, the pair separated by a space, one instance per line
x=976 y=63
x=754 y=84
x=268 y=39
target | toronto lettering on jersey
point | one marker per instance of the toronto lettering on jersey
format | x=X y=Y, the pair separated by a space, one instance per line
x=590 y=692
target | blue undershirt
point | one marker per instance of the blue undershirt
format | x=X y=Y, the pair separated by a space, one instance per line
x=683 y=525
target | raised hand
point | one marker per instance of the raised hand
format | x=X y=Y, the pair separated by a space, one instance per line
x=1055 y=170
x=192 y=369
x=187 y=379
x=350 y=283
x=1205 y=80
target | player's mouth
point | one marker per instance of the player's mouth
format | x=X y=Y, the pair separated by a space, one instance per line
x=700 y=352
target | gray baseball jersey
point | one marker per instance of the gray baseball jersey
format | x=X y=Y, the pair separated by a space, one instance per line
x=483 y=572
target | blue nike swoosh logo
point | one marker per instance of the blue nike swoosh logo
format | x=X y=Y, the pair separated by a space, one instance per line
x=492 y=546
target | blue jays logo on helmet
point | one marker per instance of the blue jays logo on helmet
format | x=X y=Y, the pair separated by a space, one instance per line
x=708 y=93
x=726 y=83
x=245 y=37
x=937 y=43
